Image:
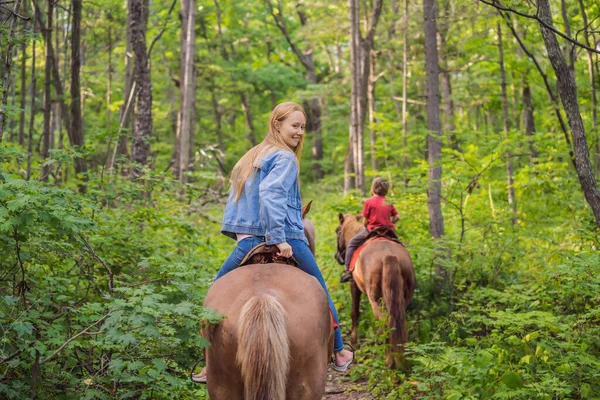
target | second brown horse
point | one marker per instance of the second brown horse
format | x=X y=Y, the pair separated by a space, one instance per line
x=384 y=271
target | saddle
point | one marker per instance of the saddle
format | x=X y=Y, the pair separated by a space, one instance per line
x=383 y=232
x=379 y=233
x=266 y=254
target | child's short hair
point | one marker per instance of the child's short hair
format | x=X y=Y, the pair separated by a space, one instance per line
x=380 y=186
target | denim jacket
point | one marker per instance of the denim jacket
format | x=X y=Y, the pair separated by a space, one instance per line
x=270 y=204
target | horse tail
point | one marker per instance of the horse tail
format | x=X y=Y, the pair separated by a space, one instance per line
x=393 y=298
x=263 y=348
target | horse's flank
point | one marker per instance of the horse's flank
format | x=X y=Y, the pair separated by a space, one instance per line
x=274 y=313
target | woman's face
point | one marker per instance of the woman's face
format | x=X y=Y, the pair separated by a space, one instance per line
x=292 y=128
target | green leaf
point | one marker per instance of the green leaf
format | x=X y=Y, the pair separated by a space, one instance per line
x=512 y=380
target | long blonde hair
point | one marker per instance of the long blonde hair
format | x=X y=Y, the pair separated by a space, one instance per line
x=248 y=164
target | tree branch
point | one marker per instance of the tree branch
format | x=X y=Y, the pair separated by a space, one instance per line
x=283 y=28
x=73 y=338
x=496 y=4
x=162 y=31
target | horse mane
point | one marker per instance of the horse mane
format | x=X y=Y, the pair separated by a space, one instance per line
x=263 y=348
x=350 y=227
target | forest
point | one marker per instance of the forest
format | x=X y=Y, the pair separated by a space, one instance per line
x=121 y=121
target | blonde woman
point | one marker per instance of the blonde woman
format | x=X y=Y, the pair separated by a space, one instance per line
x=264 y=205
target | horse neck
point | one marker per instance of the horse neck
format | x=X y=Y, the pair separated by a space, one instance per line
x=352 y=228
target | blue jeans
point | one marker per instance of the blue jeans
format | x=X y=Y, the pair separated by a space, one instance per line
x=306 y=262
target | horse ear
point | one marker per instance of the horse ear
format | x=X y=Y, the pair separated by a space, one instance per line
x=341 y=217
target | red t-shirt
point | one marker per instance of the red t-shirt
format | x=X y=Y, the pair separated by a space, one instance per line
x=378 y=212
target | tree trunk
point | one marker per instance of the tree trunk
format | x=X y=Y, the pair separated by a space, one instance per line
x=529 y=121
x=32 y=111
x=371 y=102
x=77 y=137
x=60 y=94
x=568 y=93
x=592 y=80
x=405 y=92
x=125 y=112
x=360 y=63
x=355 y=68
x=509 y=168
x=142 y=131
x=446 y=84
x=188 y=90
x=47 y=92
x=8 y=66
x=434 y=144
x=23 y=82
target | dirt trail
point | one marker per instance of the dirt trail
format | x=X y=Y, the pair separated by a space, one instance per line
x=340 y=387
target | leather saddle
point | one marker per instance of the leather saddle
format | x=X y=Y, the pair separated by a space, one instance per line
x=383 y=232
x=266 y=254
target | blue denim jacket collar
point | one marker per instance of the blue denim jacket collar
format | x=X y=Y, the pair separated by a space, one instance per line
x=270 y=204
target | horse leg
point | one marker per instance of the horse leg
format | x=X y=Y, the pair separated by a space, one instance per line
x=355 y=312
x=373 y=287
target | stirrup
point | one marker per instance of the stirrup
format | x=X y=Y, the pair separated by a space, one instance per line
x=202 y=380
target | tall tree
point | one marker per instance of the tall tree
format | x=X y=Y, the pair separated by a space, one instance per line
x=360 y=60
x=47 y=90
x=434 y=126
x=77 y=138
x=592 y=82
x=8 y=59
x=187 y=85
x=506 y=120
x=142 y=130
x=23 y=81
x=567 y=89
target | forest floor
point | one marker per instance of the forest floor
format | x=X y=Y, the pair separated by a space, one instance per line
x=340 y=387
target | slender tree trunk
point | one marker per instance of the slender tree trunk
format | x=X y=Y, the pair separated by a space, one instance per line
x=109 y=82
x=405 y=92
x=142 y=131
x=592 y=80
x=445 y=82
x=47 y=91
x=23 y=82
x=355 y=68
x=529 y=121
x=8 y=66
x=126 y=110
x=509 y=168
x=76 y=119
x=60 y=94
x=568 y=93
x=434 y=126
x=436 y=219
x=188 y=90
x=32 y=111
x=371 y=101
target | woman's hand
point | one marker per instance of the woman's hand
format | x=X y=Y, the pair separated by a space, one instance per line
x=285 y=250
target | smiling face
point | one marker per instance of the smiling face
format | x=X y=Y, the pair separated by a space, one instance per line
x=292 y=128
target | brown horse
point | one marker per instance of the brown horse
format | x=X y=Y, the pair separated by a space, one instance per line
x=276 y=339
x=385 y=271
